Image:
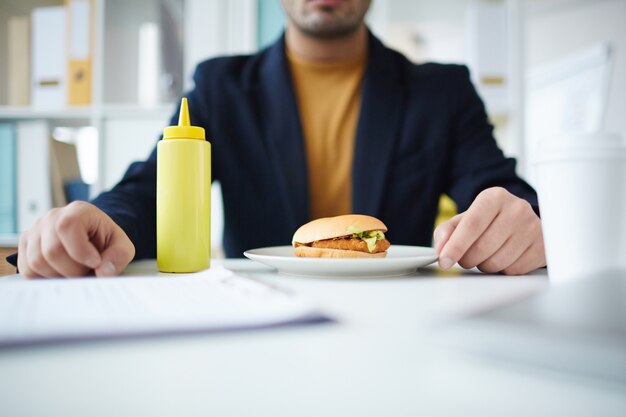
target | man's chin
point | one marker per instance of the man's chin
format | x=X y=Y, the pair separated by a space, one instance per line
x=328 y=26
x=328 y=19
x=328 y=32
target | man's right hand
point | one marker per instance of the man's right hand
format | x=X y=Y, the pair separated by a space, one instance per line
x=73 y=240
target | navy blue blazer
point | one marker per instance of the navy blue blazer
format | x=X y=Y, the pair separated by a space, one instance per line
x=422 y=131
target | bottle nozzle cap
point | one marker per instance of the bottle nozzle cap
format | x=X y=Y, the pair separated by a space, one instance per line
x=184 y=130
x=183 y=114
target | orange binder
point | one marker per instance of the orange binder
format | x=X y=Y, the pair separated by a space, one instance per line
x=80 y=25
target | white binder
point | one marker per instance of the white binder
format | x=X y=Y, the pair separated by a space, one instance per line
x=33 y=172
x=49 y=58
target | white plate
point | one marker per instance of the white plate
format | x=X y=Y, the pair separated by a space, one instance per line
x=400 y=260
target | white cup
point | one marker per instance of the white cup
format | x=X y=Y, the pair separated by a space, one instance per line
x=581 y=185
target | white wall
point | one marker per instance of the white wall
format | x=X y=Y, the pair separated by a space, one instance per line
x=127 y=141
x=560 y=28
x=215 y=28
x=422 y=30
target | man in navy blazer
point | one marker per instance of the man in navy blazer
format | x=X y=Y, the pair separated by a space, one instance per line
x=422 y=131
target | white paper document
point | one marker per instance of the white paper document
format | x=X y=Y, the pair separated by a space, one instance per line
x=33 y=311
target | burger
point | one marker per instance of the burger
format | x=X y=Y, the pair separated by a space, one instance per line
x=347 y=236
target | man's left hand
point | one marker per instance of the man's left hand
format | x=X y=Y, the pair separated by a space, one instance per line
x=498 y=233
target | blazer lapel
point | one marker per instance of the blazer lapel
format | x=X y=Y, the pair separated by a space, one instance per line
x=282 y=133
x=381 y=107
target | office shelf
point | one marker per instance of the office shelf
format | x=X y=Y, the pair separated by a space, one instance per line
x=125 y=111
x=9 y=240
x=24 y=113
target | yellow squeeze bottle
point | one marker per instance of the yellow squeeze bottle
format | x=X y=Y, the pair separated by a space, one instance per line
x=183 y=197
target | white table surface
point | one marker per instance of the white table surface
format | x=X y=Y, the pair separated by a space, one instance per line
x=378 y=358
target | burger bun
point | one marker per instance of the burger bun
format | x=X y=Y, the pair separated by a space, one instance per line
x=332 y=227
x=309 y=252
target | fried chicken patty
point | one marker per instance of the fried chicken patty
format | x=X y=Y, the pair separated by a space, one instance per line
x=348 y=243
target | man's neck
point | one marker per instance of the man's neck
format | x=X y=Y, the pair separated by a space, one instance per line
x=326 y=50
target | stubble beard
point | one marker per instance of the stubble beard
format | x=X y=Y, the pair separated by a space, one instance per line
x=325 y=25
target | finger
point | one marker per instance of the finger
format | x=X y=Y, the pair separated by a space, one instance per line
x=473 y=224
x=507 y=255
x=489 y=242
x=58 y=258
x=117 y=254
x=443 y=232
x=73 y=232
x=22 y=257
x=36 y=261
x=533 y=258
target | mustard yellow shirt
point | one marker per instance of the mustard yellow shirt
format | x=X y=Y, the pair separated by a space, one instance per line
x=329 y=100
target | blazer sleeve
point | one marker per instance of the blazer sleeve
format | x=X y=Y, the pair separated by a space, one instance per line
x=476 y=161
x=132 y=202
